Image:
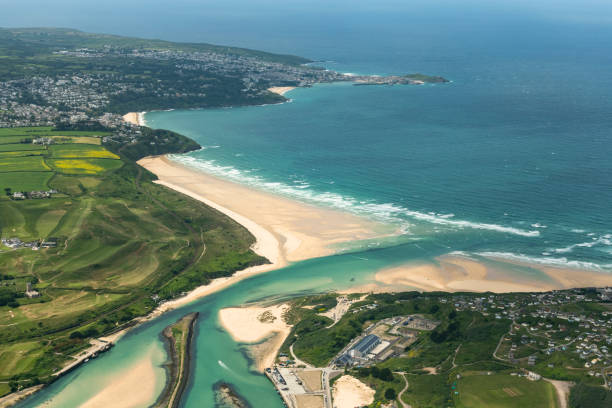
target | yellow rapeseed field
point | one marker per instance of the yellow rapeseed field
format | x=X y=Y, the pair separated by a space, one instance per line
x=93 y=154
x=75 y=166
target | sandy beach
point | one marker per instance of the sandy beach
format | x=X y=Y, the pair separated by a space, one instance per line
x=286 y=230
x=264 y=326
x=349 y=392
x=135 y=118
x=281 y=90
x=453 y=273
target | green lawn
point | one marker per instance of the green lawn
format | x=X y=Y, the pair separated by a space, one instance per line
x=73 y=184
x=19 y=358
x=34 y=132
x=11 y=139
x=503 y=391
x=25 y=180
x=426 y=391
x=13 y=147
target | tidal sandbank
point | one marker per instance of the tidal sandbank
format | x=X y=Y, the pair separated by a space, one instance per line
x=134 y=387
x=263 y=328
x=455 y=273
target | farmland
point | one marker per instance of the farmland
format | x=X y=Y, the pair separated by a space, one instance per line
x=26 y=166
x=120 y=245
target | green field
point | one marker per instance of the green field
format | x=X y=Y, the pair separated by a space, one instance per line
x=46 y=131
x=25 y=181
x=11 y=139
x=22 y=153
x=504 y=391
x=14 y=147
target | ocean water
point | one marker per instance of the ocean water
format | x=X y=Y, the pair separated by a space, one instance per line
x=512 y=158
x=516 y=152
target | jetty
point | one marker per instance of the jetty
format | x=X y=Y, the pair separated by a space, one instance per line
x=178 y=338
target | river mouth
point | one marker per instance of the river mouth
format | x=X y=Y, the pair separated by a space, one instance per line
x=217 y=357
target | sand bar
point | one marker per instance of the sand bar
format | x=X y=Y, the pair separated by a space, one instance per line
x=452 y=273
x=255 y=324
x=281 y=90
x=133 y=388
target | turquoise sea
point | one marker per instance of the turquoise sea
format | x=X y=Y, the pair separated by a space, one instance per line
x=512 y=158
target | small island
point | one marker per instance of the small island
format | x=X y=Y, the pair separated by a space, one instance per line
x=178 y=338
x=227 y=397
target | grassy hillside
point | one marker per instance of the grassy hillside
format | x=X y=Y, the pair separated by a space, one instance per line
x=123 y=244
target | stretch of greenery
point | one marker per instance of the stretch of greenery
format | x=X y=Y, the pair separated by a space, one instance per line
x=123 y=244
x=589 y=396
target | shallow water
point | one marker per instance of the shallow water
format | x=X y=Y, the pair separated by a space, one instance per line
x=217 y=356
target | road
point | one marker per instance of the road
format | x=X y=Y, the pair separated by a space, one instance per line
x=299 y=362
x=97 y=346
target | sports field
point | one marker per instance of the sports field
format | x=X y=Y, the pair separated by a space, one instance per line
x=503 y=391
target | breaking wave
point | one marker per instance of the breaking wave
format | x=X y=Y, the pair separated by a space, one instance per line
x=385 y=212
x=605 y=240
x=549 y=261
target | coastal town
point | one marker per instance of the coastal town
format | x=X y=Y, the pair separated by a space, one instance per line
x=233 y=77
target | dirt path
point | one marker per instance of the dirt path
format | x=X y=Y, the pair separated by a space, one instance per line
x=563 y=390
x=399 y=396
